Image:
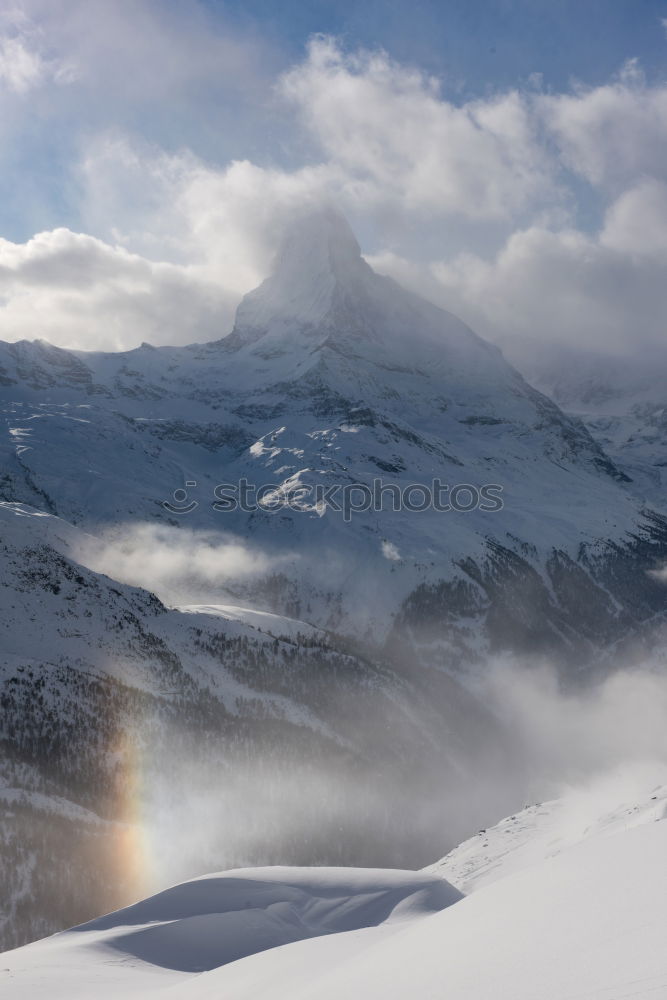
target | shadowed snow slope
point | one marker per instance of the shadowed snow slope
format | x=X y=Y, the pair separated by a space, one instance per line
x=588 y=924
x=210 y=922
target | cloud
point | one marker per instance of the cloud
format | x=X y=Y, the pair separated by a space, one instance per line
x=180 y=243
x=473 y=203
x=389 y=127
x=78 y=291
x=605 y=291
x=555 y=281
x=143 y=52
x=560 y=287
x=659 y=574
x=23 y=64
x=180 y=77
x=178 y=207
x=171 y=226
x=565 y=735
x=612 y=134
x=20 y=69
x=636 y=223
x=603 y=749
x=179 y=565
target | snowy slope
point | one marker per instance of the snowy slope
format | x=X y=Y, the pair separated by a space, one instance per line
x=54 y=610
x=591 y=923
x=622 y=400
x=278 y=626
x=162 y=943
x=59 y=616
x=548 y=829
x=585 y=920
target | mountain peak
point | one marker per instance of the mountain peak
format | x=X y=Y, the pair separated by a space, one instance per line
x=318 y=240
x=318 y=253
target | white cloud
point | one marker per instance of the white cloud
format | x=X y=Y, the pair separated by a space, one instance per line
x=563 y=287
x=138 y=52
x=177 y=207
x=636 y=222
x=574 y=733
x=20 y=69
x=182 y=243
x=26 y=60
x=602 y=292
x=177 y=564
x=555 y=282
x=613 y=134
x=398 y=139
x=179 y=238
x=77 y=291
x=659 y=574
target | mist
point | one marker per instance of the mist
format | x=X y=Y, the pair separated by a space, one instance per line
x=394 y=791
x=383 y=785
x=179 y=565
x=568 y=734
x=530 y=741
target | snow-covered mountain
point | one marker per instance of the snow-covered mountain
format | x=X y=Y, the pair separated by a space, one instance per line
x=334 y=378
x=566 y=899
x=340 y=664
x=621 y=399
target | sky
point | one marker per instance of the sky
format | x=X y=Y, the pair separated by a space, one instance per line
x=506 y=158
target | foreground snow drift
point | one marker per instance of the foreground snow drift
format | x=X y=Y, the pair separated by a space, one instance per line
x=210 y=922
x=569 y=901
x=589 y=924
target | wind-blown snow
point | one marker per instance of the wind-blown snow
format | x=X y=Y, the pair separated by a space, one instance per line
x=548 y=829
